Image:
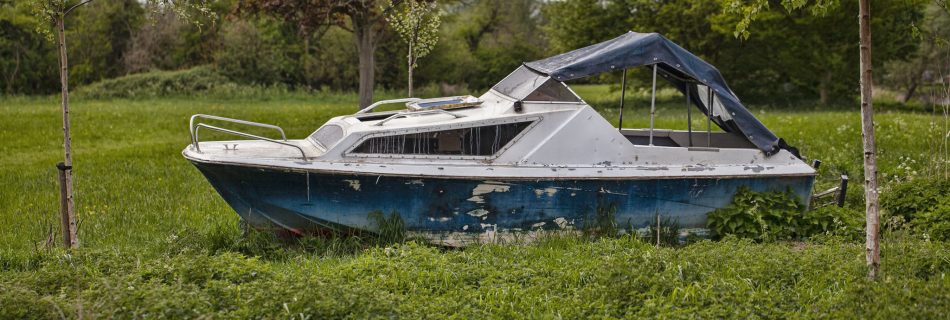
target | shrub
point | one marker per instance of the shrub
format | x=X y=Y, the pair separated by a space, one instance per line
x=935 y=222
x=906 y=200
x=766 y=216
x=158 y=83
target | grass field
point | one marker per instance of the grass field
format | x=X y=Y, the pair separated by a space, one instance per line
x=158 y=241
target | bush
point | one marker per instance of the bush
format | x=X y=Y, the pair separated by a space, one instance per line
x=906 y=200
x=935 y=222
x=158 y=83
x=922 y=205
x=767 y=216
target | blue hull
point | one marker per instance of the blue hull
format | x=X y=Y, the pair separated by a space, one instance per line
x=306 y=203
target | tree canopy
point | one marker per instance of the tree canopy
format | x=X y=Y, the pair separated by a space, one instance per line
x=789 y=56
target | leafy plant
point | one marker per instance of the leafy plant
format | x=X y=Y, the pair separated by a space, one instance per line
x=907 y=199
x=935 y=222
x=767 y=216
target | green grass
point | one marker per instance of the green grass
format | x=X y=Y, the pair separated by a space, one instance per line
x=158 y=241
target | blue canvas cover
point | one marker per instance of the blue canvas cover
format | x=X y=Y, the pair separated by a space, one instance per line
x=682 y=69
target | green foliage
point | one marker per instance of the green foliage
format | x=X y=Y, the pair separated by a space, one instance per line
x=98 y=37
x=934 y=222
x=922 y=205
x=767 y=64
x=27 y=60
x=769 y=216
x=560 y=277
x=669 y=233
x=912 y=76
x=257 y=52
x=906 y=200
x=390 y=228
x=762 y=216
x=602 y=222
x=157 y=84
x=171 y=248
x=417 y=23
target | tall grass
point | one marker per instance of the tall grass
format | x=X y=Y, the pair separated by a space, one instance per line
x=157 y=240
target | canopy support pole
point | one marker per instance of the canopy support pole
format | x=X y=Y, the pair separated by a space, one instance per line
x=689 y=117
x=709 y=111
x=623 y=94
x=653 y=105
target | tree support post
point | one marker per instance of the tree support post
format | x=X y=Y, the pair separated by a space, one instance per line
x=67 y=217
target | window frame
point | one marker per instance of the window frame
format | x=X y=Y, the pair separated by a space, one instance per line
x=534 y=120
x=318 y=143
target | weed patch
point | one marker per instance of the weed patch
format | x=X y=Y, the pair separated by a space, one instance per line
x=770 y=216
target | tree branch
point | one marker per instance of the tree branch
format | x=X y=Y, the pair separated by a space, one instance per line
x=75 y=6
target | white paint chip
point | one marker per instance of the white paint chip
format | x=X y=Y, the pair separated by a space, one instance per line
x=561 y=222
x=488 y=187
x=478 y=212
x=355 y=184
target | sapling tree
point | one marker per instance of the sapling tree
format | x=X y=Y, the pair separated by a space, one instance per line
x=417 y=23
x=54 y=13
x=749 y=10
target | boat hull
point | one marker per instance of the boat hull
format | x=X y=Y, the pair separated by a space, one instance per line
x=456 y=211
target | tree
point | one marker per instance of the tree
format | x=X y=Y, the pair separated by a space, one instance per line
x=54 y=14
x=790 y=51
x=482 y=41
x=365 y=19
x=934 y=33
x=749 y=12
x=417 y=23
x=26 y=66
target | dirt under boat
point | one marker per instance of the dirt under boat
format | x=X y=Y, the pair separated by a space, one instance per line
x=529 y=155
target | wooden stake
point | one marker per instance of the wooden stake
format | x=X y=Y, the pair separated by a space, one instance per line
x=872 y=247
x=657 y=230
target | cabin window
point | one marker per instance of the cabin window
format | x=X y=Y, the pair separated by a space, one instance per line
x=476 y=141
x=328 y=135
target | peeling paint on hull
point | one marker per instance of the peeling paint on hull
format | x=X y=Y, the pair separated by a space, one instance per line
x=442 y=209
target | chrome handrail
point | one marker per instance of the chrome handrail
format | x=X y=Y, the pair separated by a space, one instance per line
x=303 y=155
x=194 y=136
x=379 y=103
x=418 y=113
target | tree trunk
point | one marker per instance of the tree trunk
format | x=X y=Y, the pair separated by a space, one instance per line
x=16 y=69
x=306 y=61
x=366 y=49
x=911 y=89
x=824 y=94
x=410 y=70
x=918 y=72
x=69 y=213
x=873 y=250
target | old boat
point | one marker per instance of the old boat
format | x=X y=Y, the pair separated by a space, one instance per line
x=527 y=155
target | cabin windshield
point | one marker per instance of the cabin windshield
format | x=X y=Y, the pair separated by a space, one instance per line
x=527 y=85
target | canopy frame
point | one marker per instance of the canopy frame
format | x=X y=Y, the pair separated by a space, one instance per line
x=685 y=71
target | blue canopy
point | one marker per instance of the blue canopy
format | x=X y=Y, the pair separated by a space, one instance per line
x=681 y=68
